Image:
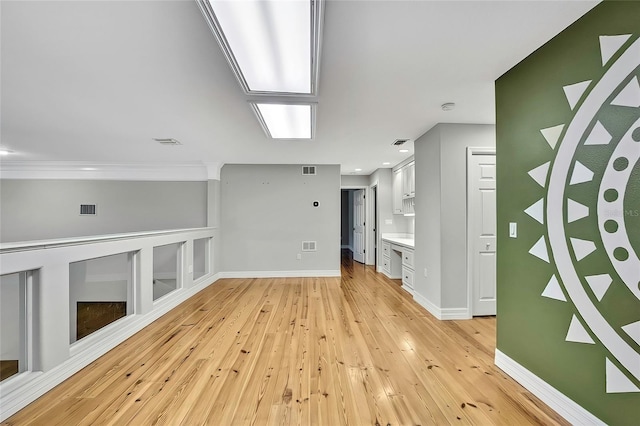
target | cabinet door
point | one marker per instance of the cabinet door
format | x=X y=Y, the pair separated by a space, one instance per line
x=411 y=171
x=397 y=192
x=408 y=181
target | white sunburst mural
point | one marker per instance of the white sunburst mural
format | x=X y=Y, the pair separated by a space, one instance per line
x=610 y=182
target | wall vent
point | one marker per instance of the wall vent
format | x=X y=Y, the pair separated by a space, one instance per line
x=87 y=209
x=308 y=246
x=308 y=170
x=399 y=142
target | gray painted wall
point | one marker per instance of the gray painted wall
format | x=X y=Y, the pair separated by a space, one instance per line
x=267 y=211
x=46 y=209
x=354 y=180
x=441 y=210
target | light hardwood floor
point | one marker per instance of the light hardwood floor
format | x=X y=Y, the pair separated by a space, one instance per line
x=325 y=351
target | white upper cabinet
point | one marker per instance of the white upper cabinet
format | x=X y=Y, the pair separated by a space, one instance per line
x=404 y=189
x=397 y=192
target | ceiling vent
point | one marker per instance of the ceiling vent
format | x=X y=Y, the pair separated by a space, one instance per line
x=308 y=170
x=399 y=142
x=167 y=141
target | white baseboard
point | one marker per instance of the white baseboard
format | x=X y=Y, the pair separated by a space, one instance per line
x=26 y=388
x=428 y=305
x=555 y=399
x=441 y=313
x=279 y=274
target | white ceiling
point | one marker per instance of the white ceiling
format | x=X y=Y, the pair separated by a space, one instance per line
x=93 y=82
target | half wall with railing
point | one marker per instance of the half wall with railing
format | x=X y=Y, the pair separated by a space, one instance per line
x=66 y=302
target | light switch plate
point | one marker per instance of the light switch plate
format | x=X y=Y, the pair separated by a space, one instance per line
x=513 y=230
x=388 y=221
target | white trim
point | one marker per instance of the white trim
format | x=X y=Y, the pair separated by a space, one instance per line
x=454 y=314
x=567 y=408
x=213 y=170
x=62 y=242
x=280 y=274
x=444 y=314
x=471 y=151
x=427 y=304
x=37 y=384
x=193 y=171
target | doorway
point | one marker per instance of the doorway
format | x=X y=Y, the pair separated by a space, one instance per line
x=353 y=223
x=481 y=231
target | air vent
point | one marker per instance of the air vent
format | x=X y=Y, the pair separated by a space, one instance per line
x=308 y=246
x=167 y=141
x=87 y=209
x=308 y=170
x=399 y=142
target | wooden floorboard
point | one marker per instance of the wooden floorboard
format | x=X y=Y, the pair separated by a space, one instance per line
x=355 y=350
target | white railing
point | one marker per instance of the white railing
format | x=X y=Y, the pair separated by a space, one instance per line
x=50 y=357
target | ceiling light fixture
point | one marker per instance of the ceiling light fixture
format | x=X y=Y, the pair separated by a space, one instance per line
x=4 y=152
x=271 y=46
x=403 y=150
x=386 y=163
x=89 y=169
x=358 y=170
x=286 y=121
x=449 y=106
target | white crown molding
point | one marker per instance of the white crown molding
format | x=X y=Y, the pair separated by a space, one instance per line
x=213 y=170
x=193 y=171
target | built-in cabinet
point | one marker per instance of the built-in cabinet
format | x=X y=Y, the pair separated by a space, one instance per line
x=398 y=260
x=408 y=269
x=404 y=189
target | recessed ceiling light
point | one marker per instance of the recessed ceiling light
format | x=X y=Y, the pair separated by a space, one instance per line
x=286 y=121
x=4 y=152
x=358 y=170
x=386 y=163
x=271 y=46
x=89 y=168
x=403 y=150
x=448 y=106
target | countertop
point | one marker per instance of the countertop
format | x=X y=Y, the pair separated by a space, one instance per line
x=405 y=240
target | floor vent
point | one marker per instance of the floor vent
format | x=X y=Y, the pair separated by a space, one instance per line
x=399 y=142
x=308 y=170
x=87 y=209
x=308 y=246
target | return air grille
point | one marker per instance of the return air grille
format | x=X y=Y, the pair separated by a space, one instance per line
x=399 y=142
x=308 y=170
x=308 y=246
x=87 y=209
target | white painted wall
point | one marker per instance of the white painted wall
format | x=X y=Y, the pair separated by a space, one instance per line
x=10 y=317
x=267 y=211
x=441 y=208
x=37 y=209
x=354 y=180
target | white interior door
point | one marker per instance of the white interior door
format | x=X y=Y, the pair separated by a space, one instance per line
x=482 y=233
x=358 y=225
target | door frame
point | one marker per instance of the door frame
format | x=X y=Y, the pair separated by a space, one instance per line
x=471 y=151
x=373 y=216
x=366 y=217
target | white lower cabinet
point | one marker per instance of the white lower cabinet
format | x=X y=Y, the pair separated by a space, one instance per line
x=407 y=269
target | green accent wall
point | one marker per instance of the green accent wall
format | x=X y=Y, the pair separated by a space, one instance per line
x=531 y=328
